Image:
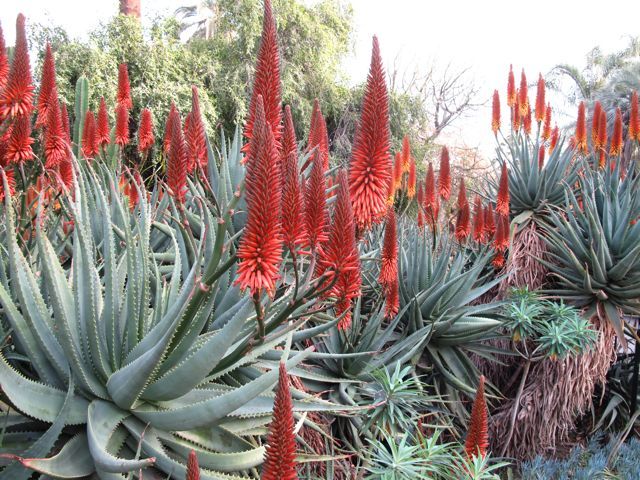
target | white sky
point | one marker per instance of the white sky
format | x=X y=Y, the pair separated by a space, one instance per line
x=485 y=36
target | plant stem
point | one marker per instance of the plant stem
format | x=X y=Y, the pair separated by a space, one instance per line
x=516 y=405
x=259 y=316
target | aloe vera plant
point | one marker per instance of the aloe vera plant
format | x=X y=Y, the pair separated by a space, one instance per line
x=137 y=349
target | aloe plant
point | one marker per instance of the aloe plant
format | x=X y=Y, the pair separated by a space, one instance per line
x=136 y=349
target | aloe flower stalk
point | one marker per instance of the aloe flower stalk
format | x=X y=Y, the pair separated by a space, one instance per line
x=463 y=225
x=47 y=85
x=634 y=118
x=17 y=96
x=4 y=61
x=502 y=203
x=511 y=88
x=145 y=131
x=595 y=125
x=318 y=136
x=523 y=95
x=193 y=469
x=444 y=175
x=389 y=256
x=102 y=124
x=315 y=204
x=495 y=113
x=581 y=130
x=280 y=460
x=616 y=136
x=177 y=162
x=540 y=100
x=546 y=128
x=370 y=166
x=124 y=87
x=19 y=145
x=89 y=136
x=122 y=125
x=477 y=440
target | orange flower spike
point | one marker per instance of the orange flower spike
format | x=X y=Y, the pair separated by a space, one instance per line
x=634 y=118
x=502 y=203
x=430 y=195
x=616 y=137
x=289 y=144
x=17 y=96
x=370 y=166
x=65 y=123
x=463 y=227
x=540 y=100
x=516 y=118
x=56 y=146
x=145 y=131
x=293 y=221
x=124 y=87
x=546 y=128
x=498 y=260
x=581 y=130
x=444 y=176
x=177 y=160
x=501 y=239
x=389 y=256
x=411 y=181
x=397 y=172
x=4 y=61
x=495 y=113
x=420 y=200
x=406 y=154
x=196 y=136
x=489 y=221
x=19 y=145
x=47 y=84
x=318 y=136
x=193 y=469
x=523 y=95
x=541 y=155
x=595 y=126
x=315 y=203
x=602 y=131
x=280 y=459
x=479 y=233
x=122 y=125
x=555 y=135
x=527 y=121
x=102 y=127
x=260 y=250
x=89 y=136
x=511 y=88
x=477 y=441
x=392 y=299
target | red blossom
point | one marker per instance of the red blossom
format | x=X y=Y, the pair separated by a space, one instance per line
x=102 y=128
x=495 y=113
x=195 y=135
x=498 y=260
x=616 y=137
x=463 y=221
x=602 y=132
x=193 y=469
x=489 y=221
x=122 y=125
x=17 y=97
x=477 y=440
x=56 y=146
x=89 y=136
x=420 y=199
x=516 y=118
x=4 y=61
x=397 y=172
x=177 y=162
x=172 y=118
x=260 y=250
x=501 y=239
x=266 y=81
x=411 y=181
x=145 y=131
x=479 y=233
x=124 y=87
x=595 y=125
x=280 y=460
x=406 y=154
x=389 y=255
x=392 y=299
x=555 y=135
x=340 y=254
x=293 y=220
x=523 y=95
x=318 y=136
x=370 y=166
x=431 y=205
x=581 y=130
x=546 y=128
x=19 y=146
x=289 y=143
x=47 y=85
x=540 y=100
x=526 y=121
x=541 y=154
x=315 y=203
x=65 y=123
x=444 y=175
x=634 y=118
x=502 y=204
x=511 y=88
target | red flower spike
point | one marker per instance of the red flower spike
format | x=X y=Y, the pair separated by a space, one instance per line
x=541 y=155
x=406 y=154
x=4 y=62
x=102 y=127
x=124 y=87
x=495 y=113
x=444 y=178
x=634 y=118
x=289 y=143
x=411 y=181
x=516 y=118
x=65 y=171
x=477 y=440
x=260 y=250
x=546 y=128
x=581 y=130
x=172 y=118
x=392 y=299
x=370 y=166
x=389 y=255
x=397 y=172
x=193 y=469
x=19 y=146
x=420 y=199
x=17 y=97
x=540 y=100
x=177 y=162
x=318 y=136
x=195 y=136
x=293 y=220
x=498 y=260
x=616 y=137
x=502 y=204
x=511 y=88
x=280 y=460
x=602 y=159
x=595 y=126
x=602 y=131
x=266 y=81
x=47 y=85
x=56 y=146
x=315 y=203
x=479 y=233
x=122 y=125
x=489 y=221
x=89 y=136
x=555 y=135
x=523 y=95
x=463 y=227
x=65 y=123
x=501 y=239
x=145 y=131
x=526 y=123
x=340 y=254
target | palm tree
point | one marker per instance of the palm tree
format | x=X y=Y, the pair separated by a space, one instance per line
x=199 y=19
